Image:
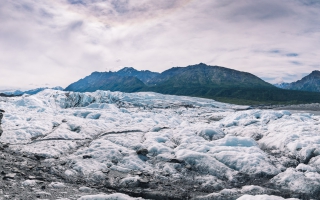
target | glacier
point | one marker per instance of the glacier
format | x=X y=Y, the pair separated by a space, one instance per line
x=114 y=145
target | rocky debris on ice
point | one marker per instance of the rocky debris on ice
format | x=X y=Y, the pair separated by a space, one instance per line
x=296 y=180
x=1 y=116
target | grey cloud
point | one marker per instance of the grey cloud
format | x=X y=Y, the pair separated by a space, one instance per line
x=296 y=62
x=273 y=51
x=120 y=6
x=77 y=2
x=310 y=2
x=125 y=11
x=58 y=42
x=75 y=25
x=292 y=55
x=260 y=10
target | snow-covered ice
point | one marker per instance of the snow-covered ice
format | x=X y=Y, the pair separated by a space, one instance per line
x=263 y=197
x=147 y=141
x=116 y=196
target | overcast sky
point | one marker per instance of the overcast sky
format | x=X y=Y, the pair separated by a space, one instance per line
x=57 y=42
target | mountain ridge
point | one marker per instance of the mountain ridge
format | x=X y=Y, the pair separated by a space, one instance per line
x=30 y=92
x=144 y=75
x=106 y=81
x=205 y=74
x=200 y=80
x=310 y=83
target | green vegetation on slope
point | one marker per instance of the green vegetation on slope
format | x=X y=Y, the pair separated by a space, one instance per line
x=242 y=95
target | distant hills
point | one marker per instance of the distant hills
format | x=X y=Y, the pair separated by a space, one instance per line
x=127 y=79
x=282 y=85
x=201 y=80
x=309 y=83
x=132 y=80
x=107 y=81
x=33 y=91
x=204 y=75
x=5 y=95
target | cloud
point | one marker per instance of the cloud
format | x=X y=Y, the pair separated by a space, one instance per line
x=296 y=62
x=292 y=55
x=60 y=41
x=275 y=51
x=116 y=12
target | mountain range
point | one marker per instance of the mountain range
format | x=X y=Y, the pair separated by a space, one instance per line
x=199 y=80
x=309 y=83
x=32 y=91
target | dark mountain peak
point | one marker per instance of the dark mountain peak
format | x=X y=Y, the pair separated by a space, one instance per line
x=315 y=73
x=199 y=65
x=99 y=74
x=310 y=83
x=133 y=70
x=186 y=68
x=127 y=70
x=126 y=79
x=206 y=75
x=96 y=73
x=144 y=75
x=214 y=67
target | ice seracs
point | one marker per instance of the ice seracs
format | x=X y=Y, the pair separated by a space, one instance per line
x=149 y=144
x=116 y=196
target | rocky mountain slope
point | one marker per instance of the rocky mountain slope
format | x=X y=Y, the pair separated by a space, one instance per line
x=205 y=75
x=199 y=80
x=69 y=145
x=127 y=79
x=309 y=83
x=106 y=81
x=145 y=76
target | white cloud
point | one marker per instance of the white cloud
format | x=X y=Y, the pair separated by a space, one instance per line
x=59 y=42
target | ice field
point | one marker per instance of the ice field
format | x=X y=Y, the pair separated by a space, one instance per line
x=153 y=146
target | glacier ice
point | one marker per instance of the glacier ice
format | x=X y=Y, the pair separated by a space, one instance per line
x=151 y=143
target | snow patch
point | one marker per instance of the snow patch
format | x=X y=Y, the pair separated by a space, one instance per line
x=116 y=196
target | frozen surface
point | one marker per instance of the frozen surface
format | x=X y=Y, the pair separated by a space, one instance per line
x=116 y=196
x=148 y=141
x=262 y=197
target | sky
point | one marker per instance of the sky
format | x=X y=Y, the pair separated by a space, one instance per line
x=56 y=42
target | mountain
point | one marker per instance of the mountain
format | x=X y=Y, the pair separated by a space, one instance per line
x=309 y=83
x=30 y=92
x=205 y=75
x=201 y=80
x=145 y=75
x=106 y=81
x=282 y=85
x=127 y=79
